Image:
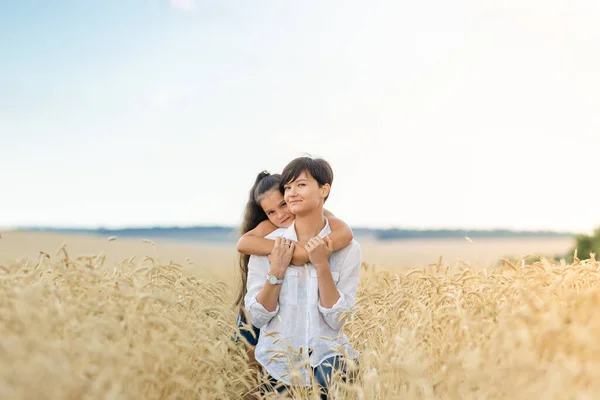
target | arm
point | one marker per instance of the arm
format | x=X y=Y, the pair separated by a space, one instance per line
x=262 y=298
x=258 y=267
x=341 y=235
x=300 y=255
x=338 y=298
x=253 y=242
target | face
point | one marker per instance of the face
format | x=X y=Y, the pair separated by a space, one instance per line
x=276 y=209
x=304 y=194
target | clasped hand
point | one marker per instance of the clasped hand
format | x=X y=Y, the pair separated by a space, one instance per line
x=319 y=250
x=281 y=256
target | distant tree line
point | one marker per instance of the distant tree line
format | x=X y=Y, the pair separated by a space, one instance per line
x=391 y=234
x=585 y=245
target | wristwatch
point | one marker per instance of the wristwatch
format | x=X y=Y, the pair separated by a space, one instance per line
x=273 y=280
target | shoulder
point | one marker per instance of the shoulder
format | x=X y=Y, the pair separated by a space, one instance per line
x=276 y=233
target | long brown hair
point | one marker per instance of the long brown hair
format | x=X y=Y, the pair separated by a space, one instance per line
x=254 y=215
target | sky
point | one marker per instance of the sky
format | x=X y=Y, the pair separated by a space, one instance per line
x=471 y=114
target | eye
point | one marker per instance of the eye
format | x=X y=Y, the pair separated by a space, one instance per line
x=286 y=187
x=302 y=184
x=269 y=213
x=283 y=205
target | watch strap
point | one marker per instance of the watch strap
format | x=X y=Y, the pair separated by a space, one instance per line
x=276 y=281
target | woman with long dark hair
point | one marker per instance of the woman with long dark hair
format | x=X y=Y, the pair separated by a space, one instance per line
x=265 y=212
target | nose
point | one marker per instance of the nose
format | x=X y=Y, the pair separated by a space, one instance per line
x=281 y=215
x=291 y=192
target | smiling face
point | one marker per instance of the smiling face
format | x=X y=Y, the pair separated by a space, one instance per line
x=276 y=209
x=304 y=195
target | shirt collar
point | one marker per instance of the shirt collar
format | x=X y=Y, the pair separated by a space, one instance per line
x=290 y=232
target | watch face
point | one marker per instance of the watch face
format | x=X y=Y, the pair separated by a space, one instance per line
x=272 y=279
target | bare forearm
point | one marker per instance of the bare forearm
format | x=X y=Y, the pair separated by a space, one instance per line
x=328 y=292
x=341 y=239
x=257 y=246
x=269 y=294
x=341 y=235
x=300 y=256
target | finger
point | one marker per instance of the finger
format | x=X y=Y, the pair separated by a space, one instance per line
x=290 y=249
x=292 y=246
x=277 y=242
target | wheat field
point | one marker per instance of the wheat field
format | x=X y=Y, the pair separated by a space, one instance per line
x=127 y=319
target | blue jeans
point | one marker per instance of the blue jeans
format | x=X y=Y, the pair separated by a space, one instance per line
x=322 y=374
x=250 y=333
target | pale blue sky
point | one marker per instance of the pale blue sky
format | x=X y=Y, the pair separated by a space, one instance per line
x=474 y=114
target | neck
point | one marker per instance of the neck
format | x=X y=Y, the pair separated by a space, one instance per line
x=309 y=225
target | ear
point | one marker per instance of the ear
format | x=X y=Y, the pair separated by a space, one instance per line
x=325 y=190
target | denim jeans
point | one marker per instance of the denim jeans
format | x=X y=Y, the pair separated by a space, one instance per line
x=322 y=374
x=250 y=333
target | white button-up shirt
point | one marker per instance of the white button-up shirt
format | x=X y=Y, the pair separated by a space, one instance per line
x=300 y=332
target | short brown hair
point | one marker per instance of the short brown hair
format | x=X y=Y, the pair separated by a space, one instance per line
x=316 y=167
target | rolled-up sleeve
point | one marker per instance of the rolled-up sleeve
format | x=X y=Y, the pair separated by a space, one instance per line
x=258 y=267
x=346 y=286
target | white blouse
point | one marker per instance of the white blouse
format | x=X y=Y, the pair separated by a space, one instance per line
x=300 y=332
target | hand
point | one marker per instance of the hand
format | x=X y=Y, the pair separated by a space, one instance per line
x=319 y=250
x=281 y=256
